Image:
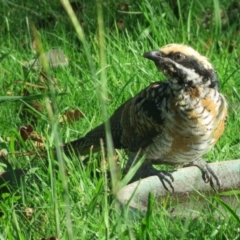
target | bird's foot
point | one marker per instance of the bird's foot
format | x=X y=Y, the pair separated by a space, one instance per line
x=207 y=173
x=147 y=170
x=165 y=177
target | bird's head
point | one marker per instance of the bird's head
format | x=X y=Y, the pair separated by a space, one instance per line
x=184 y=66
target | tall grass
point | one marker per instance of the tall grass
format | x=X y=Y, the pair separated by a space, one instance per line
x=106 y=67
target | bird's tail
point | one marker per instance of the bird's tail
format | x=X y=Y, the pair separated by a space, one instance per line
x=81 y=146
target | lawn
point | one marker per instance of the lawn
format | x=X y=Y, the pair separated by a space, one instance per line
x=59 y=197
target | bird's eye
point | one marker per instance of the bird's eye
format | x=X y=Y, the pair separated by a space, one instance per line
x=178 y=57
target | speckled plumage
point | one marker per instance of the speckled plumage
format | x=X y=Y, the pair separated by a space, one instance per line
x=174 y=121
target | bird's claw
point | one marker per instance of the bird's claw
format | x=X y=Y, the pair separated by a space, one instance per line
x=207 y=173
x=164 y=178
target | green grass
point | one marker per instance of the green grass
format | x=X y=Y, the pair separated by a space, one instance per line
x=79 y=204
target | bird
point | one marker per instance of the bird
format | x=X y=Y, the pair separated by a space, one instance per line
x=172 y=122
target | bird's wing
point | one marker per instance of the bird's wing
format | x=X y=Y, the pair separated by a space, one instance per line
x=134 y=124
x=143 y=117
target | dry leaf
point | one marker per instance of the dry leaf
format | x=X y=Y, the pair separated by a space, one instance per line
x=71 y=116
x=36 y=137
x=124 y=7
x=28 y=153
x=44 y=78
x=54 y=57
x=29 y=212
x=39 y=145
x=35 y=44
x=120 y=23
x=50 y=238
x=9 y=93
x=2 y=155
x=25 y=131
x=30 y=84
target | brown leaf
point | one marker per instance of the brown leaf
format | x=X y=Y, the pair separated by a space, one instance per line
x=2 y=155
x=30 y=84
x=71 y=116
x=120 y=23
x=50 y=238
x=25 y=131
x=35 y=44
x=39 y=144
x=28 y=153
x=124 y=7
x=36 y=105
x=44 y=78
x=36 y=137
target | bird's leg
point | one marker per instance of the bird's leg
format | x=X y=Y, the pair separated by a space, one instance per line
x=147 y=170
x=165 y=177
x=207 y=173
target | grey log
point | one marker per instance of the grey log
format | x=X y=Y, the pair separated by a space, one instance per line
x=189 y=187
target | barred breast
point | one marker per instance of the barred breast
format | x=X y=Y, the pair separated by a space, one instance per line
x=194 y=121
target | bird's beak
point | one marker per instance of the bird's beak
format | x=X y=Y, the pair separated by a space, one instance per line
x=153 y=55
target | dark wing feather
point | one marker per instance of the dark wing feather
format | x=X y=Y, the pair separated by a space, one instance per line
x=134 y=124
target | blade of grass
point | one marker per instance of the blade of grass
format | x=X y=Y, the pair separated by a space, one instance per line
x=228 y=209
x=189 y=23
x=4 y=55
x=32 y=97
x=103 y=95
x=51 y=106
x=218 y=23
